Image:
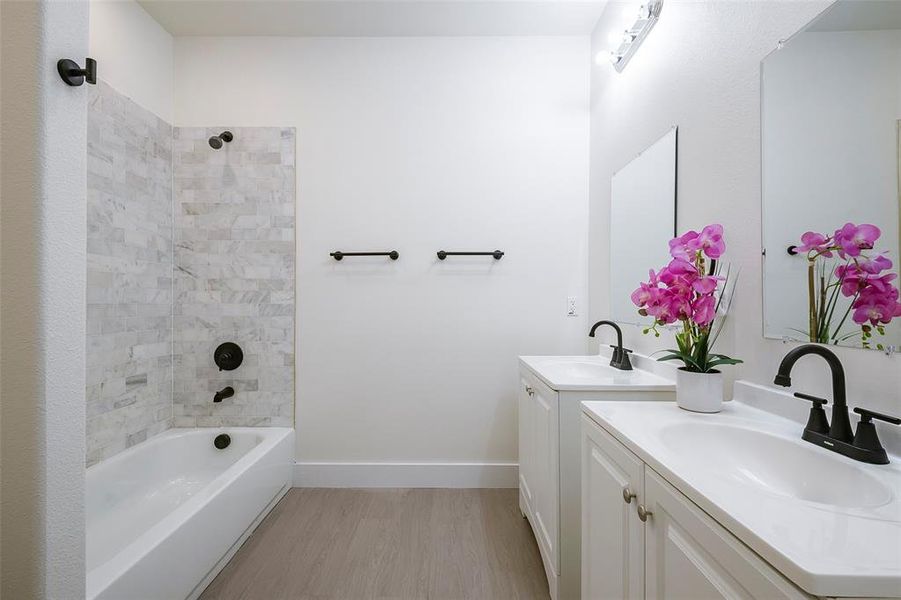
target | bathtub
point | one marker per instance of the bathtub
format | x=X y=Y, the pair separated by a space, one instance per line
x=165 y=516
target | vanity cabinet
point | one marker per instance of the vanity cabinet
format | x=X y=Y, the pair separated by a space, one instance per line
x=550 y=464
x=644 y=539
x=613 y=538
x=539 y=466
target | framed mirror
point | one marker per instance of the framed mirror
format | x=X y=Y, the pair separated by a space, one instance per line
x=830 y=114
x=642 y=221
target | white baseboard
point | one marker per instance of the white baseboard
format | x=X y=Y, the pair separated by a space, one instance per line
x=406 y=475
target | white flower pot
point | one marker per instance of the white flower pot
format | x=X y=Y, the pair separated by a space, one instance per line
x=699 y=392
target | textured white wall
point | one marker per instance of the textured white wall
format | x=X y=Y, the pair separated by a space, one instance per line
x=699 y=69
x=43 y=309
x=417 y=144
x=133 y=54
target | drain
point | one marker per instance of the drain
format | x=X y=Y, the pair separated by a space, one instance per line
x=222 y=441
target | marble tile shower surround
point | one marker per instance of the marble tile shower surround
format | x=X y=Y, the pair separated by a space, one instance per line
x=187 y=247
x=234 y=275
x=129 y=261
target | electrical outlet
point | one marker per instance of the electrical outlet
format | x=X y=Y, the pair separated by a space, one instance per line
x=571 y=310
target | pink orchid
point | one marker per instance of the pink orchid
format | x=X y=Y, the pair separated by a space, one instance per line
x=882 y=284
x=684 y=291
x=679 y=305
x=873 y=264
x=662 y=308
x=876 y=309
x=853 y=238
x=705 y=285
x=815 y=242
x=681 y=268
x=678 y=274
x=681 y=247
x=646 y=291
x=852 y=278
x=704 y=310
x=710 y=241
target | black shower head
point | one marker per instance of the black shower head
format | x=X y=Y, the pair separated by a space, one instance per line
x=217 y=140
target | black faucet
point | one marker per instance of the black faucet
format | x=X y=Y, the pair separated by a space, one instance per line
x=838 y=437
x=841 y=424
x=620 y=359
x=226 y=392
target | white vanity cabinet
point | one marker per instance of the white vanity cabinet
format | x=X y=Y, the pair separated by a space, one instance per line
x=539 y=470
x=644 y=539
x=549 y=457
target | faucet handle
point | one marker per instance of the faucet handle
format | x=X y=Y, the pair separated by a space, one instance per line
x=866 y=437
x=817 y=421
x=866 y=415
x=620 y=358
x=817 y=401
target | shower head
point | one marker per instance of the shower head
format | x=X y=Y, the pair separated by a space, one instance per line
x=217 y=140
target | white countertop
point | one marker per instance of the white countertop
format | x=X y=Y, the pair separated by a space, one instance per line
x=851 y=547
x=591 y=373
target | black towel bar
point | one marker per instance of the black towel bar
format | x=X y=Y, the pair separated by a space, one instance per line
x=497 y=254
x=338 y=255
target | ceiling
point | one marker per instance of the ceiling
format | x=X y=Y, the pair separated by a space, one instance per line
x=375 y=18
x=859 y=15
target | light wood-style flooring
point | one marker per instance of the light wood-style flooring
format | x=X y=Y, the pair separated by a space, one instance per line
x=381 y=543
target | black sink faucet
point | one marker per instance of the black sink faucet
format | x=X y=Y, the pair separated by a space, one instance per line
x=841 y=423
x=863 y=445
x=620 y=359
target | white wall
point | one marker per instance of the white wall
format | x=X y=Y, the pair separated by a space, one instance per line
x=133 y=54
x=43 y=311
x=417 y=144
x=699 y=69
x=830 y=146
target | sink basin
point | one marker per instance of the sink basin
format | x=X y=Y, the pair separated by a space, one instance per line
x=572 y=369
x=775 y=464
x=591 y=373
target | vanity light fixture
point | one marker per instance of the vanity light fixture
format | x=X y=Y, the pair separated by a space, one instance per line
x=631 y=39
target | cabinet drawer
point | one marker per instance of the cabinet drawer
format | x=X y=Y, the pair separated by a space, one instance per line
x=691 y=556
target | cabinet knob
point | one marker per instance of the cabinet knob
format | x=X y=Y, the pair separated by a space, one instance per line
x=628 y=495
x=530 y=391
x=643 y=513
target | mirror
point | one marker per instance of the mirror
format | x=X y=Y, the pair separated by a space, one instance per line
x=642 y=221
x=831 y=108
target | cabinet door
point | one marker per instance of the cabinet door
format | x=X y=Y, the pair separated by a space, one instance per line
x=690 y=556
x=612 y=535
x=526 y=445
x=546 y=486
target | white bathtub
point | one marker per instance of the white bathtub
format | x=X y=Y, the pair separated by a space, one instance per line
x=164 y=516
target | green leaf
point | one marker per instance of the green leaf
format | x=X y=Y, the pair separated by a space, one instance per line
x=724 y=361
x=684 y=357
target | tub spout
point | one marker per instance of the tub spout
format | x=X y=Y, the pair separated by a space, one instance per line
x=226 y=392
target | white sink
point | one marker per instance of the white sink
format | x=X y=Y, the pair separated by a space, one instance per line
x=830 y=524
x=776 y=465
x=583 y=369
x=591 y=373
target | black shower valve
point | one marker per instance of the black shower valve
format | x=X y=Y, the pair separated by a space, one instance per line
x=228 y=356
